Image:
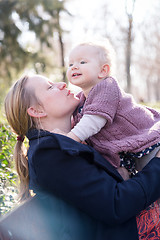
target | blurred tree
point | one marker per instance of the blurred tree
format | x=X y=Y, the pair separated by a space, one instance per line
x=11 y=53
x=149 y=60
x=20 y=18
x=129 y=11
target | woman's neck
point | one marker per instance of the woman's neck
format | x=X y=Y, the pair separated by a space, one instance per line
x=62 y=124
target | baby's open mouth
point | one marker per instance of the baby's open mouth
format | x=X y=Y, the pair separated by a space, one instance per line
x=76 y=74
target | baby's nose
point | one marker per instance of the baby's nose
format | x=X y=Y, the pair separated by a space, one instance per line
x=75 y=66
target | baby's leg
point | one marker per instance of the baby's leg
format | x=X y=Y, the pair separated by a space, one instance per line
x=141 y=162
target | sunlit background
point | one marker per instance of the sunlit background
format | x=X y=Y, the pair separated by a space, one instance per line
x=111 y=19
x=49 y=29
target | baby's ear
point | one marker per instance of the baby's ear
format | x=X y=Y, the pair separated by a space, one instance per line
x=36 y=113
x=104 y=71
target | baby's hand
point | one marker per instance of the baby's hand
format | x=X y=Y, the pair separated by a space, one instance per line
x=84 y=143
x=58 y=131
x=73 y=136
x=70 y=134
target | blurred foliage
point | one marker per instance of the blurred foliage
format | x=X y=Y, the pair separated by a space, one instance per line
x=20 y=17
x=8 y=176
x=155 y=105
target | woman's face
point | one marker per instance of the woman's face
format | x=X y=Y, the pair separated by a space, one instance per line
x=55 y=99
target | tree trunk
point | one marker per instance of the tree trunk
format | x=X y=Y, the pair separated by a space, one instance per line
x=128 y=55
x=61 y=47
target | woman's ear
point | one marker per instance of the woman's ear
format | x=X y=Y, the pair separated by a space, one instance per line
x=36 y=113
x=104 y=71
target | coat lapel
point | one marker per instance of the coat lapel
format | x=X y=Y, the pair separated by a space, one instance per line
x=75 y=148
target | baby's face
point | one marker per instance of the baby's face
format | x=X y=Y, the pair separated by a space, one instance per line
x=84 y=66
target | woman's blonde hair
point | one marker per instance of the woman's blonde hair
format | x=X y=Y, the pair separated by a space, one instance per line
x=17 y=101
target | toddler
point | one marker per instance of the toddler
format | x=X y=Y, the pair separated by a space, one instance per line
x=107 y=117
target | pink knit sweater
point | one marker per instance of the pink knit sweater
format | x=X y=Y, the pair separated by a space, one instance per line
x=130 y=127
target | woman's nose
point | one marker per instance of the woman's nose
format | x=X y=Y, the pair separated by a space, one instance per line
x=61 y=85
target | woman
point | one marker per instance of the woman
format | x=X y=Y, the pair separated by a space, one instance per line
x=69 y=170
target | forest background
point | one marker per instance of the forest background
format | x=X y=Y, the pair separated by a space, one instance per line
x=37 y=35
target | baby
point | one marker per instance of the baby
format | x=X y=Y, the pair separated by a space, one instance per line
x=107 y=117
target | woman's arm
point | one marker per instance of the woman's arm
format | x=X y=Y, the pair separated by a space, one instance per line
x=92 y=189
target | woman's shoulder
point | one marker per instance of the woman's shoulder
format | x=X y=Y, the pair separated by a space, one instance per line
x=38 y=137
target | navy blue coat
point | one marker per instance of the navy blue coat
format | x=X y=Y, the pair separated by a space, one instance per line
x=81 y=177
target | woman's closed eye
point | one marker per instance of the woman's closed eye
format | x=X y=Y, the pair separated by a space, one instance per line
x=51 y=86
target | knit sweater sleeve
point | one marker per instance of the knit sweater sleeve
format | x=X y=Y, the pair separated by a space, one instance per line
x=88 y=126
x=103 y=99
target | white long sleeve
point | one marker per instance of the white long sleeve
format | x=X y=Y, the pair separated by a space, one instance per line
x=88 y=126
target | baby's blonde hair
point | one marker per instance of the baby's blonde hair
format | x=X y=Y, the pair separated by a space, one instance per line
x=105 y=51
x=17 y=101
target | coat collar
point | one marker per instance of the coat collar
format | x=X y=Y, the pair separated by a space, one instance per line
x=74 y=148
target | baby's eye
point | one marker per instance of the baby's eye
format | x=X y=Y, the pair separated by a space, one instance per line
x=83 y=62
x=71 y=64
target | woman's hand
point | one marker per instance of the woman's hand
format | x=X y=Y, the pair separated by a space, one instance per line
x=158 y=154
x=124 y=173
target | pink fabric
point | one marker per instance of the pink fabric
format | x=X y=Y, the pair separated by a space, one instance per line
x=130 y=127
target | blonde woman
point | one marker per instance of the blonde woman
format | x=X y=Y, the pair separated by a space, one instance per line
x=71 y=171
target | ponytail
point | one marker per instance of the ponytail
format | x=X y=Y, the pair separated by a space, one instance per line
x=17 y=101
x=21 y=164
